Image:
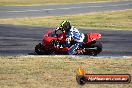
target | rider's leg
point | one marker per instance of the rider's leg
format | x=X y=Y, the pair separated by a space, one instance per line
x=72 y=50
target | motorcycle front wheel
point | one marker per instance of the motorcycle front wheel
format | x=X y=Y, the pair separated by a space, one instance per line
x=38 y=49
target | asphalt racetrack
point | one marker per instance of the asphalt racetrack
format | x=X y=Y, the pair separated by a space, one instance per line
x=21 y=40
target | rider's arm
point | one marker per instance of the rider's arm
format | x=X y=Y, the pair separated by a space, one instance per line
x=58 y=28
x=68 y=40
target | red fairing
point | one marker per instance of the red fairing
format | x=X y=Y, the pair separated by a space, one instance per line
x=93 y=36
x=46 y=39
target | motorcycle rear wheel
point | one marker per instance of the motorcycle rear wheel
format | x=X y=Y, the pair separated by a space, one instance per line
x=94 y=49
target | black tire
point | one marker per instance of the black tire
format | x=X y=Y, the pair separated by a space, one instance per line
x=94 y=52
x=39 y=49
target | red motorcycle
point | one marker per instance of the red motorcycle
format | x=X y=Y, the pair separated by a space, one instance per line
x=53 y=39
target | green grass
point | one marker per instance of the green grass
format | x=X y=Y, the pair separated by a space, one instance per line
x=45 y=2
x=58 y=72
x=99 y=20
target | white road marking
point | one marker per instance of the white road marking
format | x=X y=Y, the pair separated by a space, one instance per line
x=68 y=8
x=77 y=56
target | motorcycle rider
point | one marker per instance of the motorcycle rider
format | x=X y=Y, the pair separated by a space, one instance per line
x=72 y=33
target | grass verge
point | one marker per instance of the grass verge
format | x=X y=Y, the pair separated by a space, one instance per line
x=58 y=72
x=45 y=2
x=101 y=20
